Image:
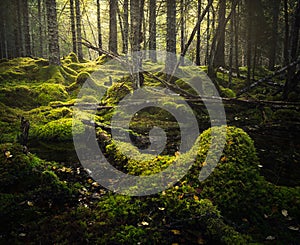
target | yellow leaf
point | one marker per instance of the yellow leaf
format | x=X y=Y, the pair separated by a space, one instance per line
x=284 y=213
x=223 y=159
x=176 y=232
x=196 y=198
x=8 y=154
x=204 y=164
x=177 y=154
x=144 y=223
x=30 y=204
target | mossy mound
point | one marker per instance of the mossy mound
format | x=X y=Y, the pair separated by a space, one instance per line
x=129 y=158
x=117 y=92
x=241 y=193
x=21 y=96
x=48 y=92
x=28 y=192
x=167 y=222
x=58 y=130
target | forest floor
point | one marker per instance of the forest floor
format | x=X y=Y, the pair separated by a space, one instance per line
x=47 y=196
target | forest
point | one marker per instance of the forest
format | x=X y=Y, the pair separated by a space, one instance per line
x=150 y=122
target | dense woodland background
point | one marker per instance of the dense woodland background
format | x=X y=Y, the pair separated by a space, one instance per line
x=227 y=34
x=250 y=50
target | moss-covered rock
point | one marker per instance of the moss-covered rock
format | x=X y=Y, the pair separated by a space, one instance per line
x=48 y=92
x=117 y=92
x=58 y=130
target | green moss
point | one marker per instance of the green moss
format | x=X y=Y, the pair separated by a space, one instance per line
x=286 y=115
x=117 y=92
x=21 y=96
x=17 y=169
x=227 y=92
x=48 y=92
x=58 y=130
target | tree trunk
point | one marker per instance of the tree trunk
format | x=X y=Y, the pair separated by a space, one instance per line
x=236 y=38
x=286 y=33
x=232 y=26
x=207 y=37
x=152 y=30
x=291 y=83
x=26 y=28
x=220 y=52
x=182 y=28
x=126 y=27
x=73 y=26
x=54 y=54
x=249 y=5
x=40 y=24
x=274 y=38
x=198 y=45
x=171 y=36
x=136 y=7
x=113 y=35
x=78 y=27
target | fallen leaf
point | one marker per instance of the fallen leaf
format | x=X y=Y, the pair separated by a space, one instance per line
x=270 y=238
x=293 y=228
x=144 y=223
x=30 y=204
x=196 y=198
x=176 y=232
x=8 y=154
x=284 y=213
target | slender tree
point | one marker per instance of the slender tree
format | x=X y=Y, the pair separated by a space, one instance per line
x=249 y=5
x=40 y=26
x=291 y=81
x=220 y=52
x=198 y=45
x=182 y=28
x=113 y=32
x=152 y=30
x=73 y=26
x=286 y=33
x=126 y=26
x=78 y=33
x=26 y=28
x=171 y=36
x=274 y=36
x=54 y=53
x=136 y=6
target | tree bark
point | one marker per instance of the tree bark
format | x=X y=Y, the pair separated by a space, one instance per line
x=54 y=53
x=291 y=83
x=220 y=52
x=182 y=28
x=78 y=27
x=171 y=36
x=40 y=24
x=136 y=36
x=26 y=28
x=113 y=35
x=274 y=38
x=286 y=33
x=249 y=5
x=73 y=26
x=126 y=27
x=198 y=45
x=152 y=30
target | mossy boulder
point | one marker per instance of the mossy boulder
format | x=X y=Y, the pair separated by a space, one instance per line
x=58 y=130
x=117 y=92
x=227 y=92
x=48 y=92
x=17 y=169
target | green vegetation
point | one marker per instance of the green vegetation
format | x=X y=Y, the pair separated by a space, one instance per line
x=46 y=202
